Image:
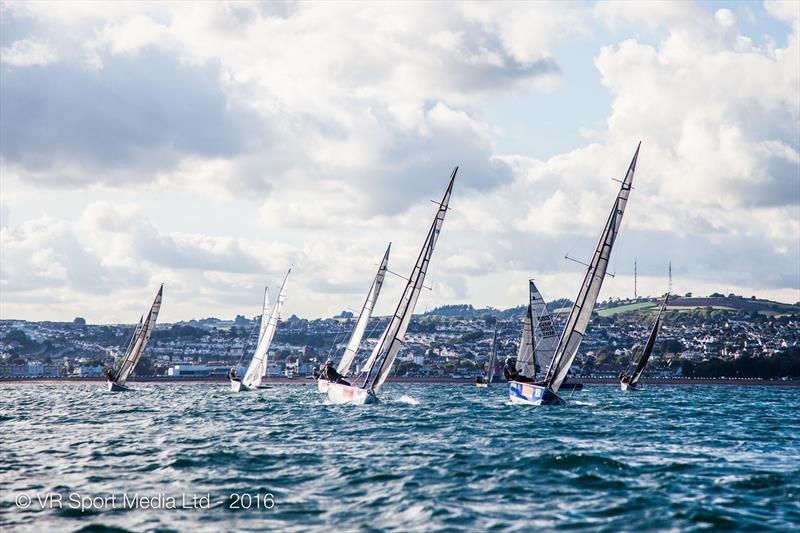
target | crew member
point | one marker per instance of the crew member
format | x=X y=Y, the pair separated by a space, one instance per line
x=511 y=374
x=232 y=374
x=329 y=373
x=315 y=373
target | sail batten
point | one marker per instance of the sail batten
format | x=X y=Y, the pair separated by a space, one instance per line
x=258 y=366
x=393 y=337
x=364 y=316
x=581 y=311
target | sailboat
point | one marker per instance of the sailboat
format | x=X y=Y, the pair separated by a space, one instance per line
x=546 y=392
x=486 y=379
x=257 y=370
x=539 y=339
x=116 y=379
x=630 y=380
x=361 y=325
x=392 y=339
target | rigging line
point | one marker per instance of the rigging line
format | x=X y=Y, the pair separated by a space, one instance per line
x=335 y=338
x=247 y=338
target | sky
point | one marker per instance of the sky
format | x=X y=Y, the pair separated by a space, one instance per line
x=211 y=146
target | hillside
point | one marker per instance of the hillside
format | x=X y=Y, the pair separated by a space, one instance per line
x=725 y=303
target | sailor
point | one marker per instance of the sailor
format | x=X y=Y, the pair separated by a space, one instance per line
x=315 y=373
x=232 y=374
x=511 y=374
x=329 y=373
x=110 y=375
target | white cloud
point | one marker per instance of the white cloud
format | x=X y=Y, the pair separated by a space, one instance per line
x=321 y=131
x=26 y=53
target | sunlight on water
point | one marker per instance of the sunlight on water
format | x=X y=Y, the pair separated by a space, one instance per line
x=669 y=457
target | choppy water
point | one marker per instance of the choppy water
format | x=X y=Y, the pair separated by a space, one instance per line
x=431 y=457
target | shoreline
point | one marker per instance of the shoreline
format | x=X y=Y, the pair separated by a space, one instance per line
x=414 y=380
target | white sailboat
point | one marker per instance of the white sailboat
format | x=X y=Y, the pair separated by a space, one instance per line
x=257 y=370
x=361 y=325
x=630 y=380
x=141 y=336
x=578 y=320
x=392 y=339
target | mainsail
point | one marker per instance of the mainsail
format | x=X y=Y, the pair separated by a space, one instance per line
x=545 y=338
x=492 y=358
x=364 y=316
x=581 y=311
x=526 y=365
x=264 y=315
x=648 y=349
x=140 y=340
x=375 y=351
x=393 y=337
x=258 y=366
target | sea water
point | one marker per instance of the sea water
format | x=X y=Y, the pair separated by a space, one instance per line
x=428 y=457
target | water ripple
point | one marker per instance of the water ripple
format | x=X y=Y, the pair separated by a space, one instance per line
x=429 y=458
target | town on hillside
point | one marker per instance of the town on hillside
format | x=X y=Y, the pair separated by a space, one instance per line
x=714 y=336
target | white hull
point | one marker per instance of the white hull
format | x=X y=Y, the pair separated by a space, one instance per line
x=238 y=386
x=627 y=386
x=338 y=393
x=116 y=387
x=322 y=385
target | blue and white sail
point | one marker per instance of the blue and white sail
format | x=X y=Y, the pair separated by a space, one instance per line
x=393 y=337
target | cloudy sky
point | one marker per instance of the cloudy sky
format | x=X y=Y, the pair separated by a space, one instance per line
x=213 y=145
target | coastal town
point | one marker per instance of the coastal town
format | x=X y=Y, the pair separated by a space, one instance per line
x=724 y=335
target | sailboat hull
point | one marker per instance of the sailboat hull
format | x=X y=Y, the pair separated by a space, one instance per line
x=338 y=393
x=627 y=386
x=116 y=387
x=531 y=394
x=482 y=385
x=322 y=385
x=238 y=386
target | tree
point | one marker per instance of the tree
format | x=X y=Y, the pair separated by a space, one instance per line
x=79 y=321
x=688 y=295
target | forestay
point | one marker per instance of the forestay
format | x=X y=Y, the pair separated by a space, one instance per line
x=364 y=316
x=258 y=366
x=581 y=311
x=140 y=340
x=395 y=332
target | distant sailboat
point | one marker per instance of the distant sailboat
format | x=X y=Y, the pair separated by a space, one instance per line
x=361 y=325
x=630 y=380
x=581 y=312
x=116 y=379
x=486 y=379
x=386 y=350
x=257 y=370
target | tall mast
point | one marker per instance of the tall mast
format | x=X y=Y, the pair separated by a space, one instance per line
x=581 y=311
x=396 y=330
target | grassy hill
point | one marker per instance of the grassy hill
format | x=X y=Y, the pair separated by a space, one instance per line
x=726 y=303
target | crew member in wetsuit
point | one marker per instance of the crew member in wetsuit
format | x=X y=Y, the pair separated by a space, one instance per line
x=314 y=373
x=511 y=374
x=329 y=373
